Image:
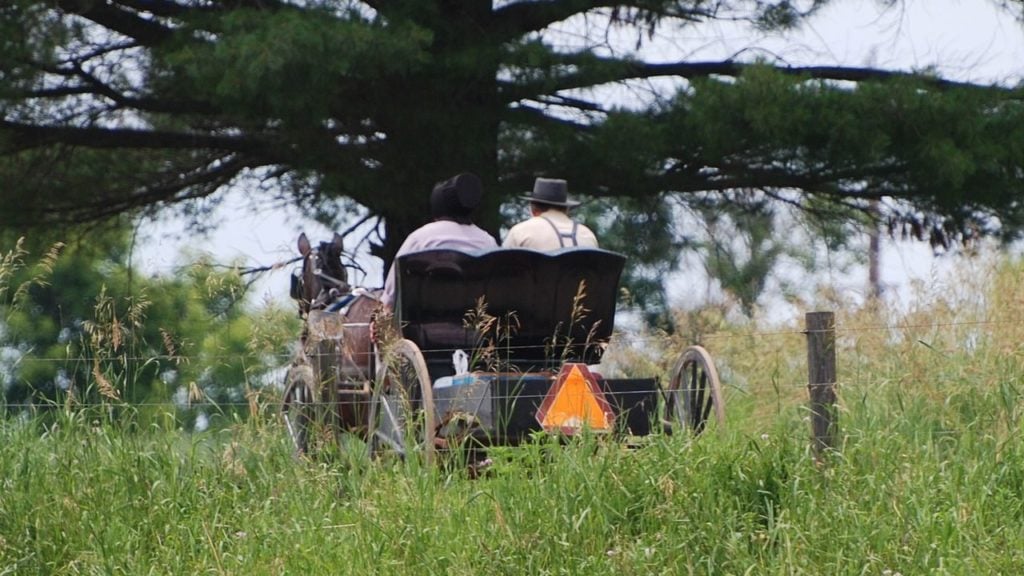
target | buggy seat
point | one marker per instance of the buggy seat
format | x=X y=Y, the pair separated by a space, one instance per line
x=548 y=307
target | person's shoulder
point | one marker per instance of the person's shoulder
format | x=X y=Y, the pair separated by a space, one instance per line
x=589 y=234
x=484 y=237
x=435 y=225
x=531 y=221
x=439 y=229
x=515 y=235
x=527 y=224
x=423 y=230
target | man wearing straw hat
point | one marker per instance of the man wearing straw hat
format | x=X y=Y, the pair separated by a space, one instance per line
x=550 y=227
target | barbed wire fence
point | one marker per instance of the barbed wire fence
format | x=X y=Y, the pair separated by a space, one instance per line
x=803 y=369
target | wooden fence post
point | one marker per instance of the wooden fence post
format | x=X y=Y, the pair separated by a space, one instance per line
x=821 y=377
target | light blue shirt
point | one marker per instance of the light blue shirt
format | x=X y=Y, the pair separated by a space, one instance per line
x=438 y=234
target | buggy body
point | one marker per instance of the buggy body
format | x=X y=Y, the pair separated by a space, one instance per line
x=523 y=320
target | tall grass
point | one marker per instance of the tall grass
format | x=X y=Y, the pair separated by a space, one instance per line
x=87 y=497
x=928 y=476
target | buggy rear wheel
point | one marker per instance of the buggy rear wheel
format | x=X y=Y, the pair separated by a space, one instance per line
x=401 y=419
x=694 y=391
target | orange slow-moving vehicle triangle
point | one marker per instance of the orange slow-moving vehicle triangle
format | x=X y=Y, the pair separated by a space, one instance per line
x=575 y=401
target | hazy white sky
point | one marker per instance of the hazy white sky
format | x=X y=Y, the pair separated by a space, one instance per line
x=967 y=40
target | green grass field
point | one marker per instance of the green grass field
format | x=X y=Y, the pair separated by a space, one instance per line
x=927 y=476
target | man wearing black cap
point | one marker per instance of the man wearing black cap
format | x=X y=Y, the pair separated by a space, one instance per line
x=452 y=204
x=550 y=227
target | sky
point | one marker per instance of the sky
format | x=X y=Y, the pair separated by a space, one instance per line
x=967 y=40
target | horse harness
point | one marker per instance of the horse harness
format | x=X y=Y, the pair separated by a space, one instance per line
x=563 y=236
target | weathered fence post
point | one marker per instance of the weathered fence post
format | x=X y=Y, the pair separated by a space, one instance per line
x=821 y=377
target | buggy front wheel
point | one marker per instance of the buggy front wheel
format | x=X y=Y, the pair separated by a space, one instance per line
x=401 y=419
x=298 y=407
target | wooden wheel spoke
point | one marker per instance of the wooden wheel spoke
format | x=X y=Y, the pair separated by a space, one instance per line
x=706 y=411
x=391 y=424
x=699 y=385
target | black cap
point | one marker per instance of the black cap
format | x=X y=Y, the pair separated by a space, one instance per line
x=457 y=197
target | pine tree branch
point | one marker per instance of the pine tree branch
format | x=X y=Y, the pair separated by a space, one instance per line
x=518 y=19
x=178 y=186
x=597 y=71
x=146 y=31
x=27 y=136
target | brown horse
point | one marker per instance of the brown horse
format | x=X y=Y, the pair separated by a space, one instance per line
x=324 y=278
x=334 y=364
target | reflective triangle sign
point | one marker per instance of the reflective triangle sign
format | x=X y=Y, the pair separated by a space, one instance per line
x=574 y=402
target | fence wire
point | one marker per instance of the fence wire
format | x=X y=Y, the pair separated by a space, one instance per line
x=633 y=338
x=787 y=382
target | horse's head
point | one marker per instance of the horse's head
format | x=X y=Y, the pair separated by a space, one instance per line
x=323 y=277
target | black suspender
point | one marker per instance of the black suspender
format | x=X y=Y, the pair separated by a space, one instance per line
x=563 y=236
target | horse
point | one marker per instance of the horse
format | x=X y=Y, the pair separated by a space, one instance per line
x=334 y=361
x=323 y=278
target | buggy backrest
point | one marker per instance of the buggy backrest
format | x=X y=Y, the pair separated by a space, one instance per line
x=561 y=304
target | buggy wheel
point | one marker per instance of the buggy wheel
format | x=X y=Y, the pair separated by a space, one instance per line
x=694 y=391
x=298 y=408
x=401 y=419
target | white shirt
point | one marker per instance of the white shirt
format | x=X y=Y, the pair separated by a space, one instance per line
x=539 y=233
x=438 y=234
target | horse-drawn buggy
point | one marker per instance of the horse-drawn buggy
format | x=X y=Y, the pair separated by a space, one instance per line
x=483 y=348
